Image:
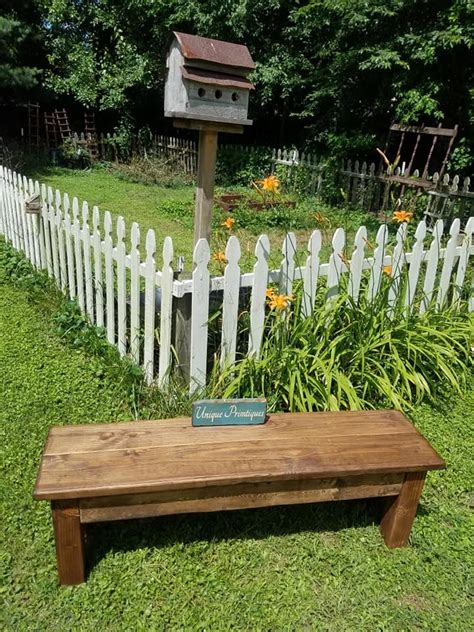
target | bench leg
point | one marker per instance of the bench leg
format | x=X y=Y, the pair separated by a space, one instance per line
x=69 y=538
x=400 y=511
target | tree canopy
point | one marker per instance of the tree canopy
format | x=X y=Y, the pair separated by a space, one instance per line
x=336 y=70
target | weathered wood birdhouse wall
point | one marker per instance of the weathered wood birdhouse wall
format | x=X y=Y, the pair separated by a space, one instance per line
x=207 y=80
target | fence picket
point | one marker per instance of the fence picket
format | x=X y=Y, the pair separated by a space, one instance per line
x=199 y=316
x=336 y=262
x=121 y=288
x=259 y=288
x=150 y=293
x=463 y=260
x=76 y=231
x=53 y=233
x=135 y=294
x=357 y=262
x=432 y=258
x=86 y=242
x=417 y=254
x=230 y=302
x=311 y=273
x=109 y=279
x=287 y=267
x=398 y=261
x=166 y=312
x=378 y=261
x=71 y=270
x=47 y=240
x=98 y=284
x=61 y=250
x=448 y=263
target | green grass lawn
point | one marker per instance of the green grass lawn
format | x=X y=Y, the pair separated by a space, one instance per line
x=170 y=212
x=315 y=567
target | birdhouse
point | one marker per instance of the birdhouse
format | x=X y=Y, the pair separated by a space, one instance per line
x=207 y=80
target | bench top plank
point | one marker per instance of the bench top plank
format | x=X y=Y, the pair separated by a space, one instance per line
x=145 y=456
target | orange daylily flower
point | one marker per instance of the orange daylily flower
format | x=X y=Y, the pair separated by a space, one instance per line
x=219 y=256
x=402 y=216
x=270 y=183
x=387 y=270
x=228 y=223
x=280 y=301
x=269 y=293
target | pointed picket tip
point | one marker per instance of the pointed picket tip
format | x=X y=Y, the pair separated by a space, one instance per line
x=85 y=212
x=401 y=232
x=107 y=222
x=288 y=248
x=315 y=241
x=135 y=235
x=120 y=228
x=95 y=218
x=262 y=247
x=75 y=208
x=150 y=242
x=201 y=253
x=57 y=197
x=232 y=251
x=360 y=238
x=469 y=229
x=338 y=240
x=168 y=251
x=455 y=227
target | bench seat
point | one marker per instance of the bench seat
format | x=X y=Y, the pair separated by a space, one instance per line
x=103 y=472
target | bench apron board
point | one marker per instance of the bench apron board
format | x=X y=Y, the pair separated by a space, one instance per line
x=106 y=472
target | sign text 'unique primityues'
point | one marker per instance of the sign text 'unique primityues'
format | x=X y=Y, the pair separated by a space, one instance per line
x=229 y=412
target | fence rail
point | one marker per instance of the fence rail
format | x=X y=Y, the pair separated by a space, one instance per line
x=86 y=255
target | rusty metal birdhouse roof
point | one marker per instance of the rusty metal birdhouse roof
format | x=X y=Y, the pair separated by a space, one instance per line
x=196 y=48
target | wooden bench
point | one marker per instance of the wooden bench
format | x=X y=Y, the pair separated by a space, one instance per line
x=96 y=473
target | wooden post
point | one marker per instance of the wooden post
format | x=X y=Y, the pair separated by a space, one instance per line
x=205 y=184
x=69 y=541
x=400 y=511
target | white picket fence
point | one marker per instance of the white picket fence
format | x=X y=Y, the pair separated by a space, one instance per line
x=88 y=258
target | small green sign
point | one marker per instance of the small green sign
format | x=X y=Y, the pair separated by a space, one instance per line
x=229 y=412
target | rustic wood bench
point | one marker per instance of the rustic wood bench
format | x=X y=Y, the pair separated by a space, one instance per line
x=95 y=473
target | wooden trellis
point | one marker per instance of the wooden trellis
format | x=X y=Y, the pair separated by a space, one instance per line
x=407 y=143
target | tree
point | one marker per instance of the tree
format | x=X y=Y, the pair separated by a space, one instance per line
x=336 y=70
x=20 y=49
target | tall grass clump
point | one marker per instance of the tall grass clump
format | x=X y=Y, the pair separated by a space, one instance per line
x=349 y=355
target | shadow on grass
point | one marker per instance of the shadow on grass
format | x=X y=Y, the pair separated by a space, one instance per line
x=253 y=524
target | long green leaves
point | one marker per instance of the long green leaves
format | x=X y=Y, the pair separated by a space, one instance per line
x=353 y=356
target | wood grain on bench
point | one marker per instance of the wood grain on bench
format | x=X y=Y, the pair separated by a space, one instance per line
x=107 y=472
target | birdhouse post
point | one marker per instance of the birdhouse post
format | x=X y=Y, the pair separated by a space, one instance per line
x=207 y=90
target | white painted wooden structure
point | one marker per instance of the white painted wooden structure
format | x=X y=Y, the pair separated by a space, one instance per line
x=88 y=259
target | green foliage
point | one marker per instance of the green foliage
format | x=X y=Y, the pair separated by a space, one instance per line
x=355 y=356
x=73 y=154
x=236 y=166
x=18 y=72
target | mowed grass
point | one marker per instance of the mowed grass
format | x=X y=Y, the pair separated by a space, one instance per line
x=135 y=202
x=170 y=211
x=315 y=567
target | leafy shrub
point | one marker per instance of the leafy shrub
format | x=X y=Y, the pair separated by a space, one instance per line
x=354 y=356
x=74 y=154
